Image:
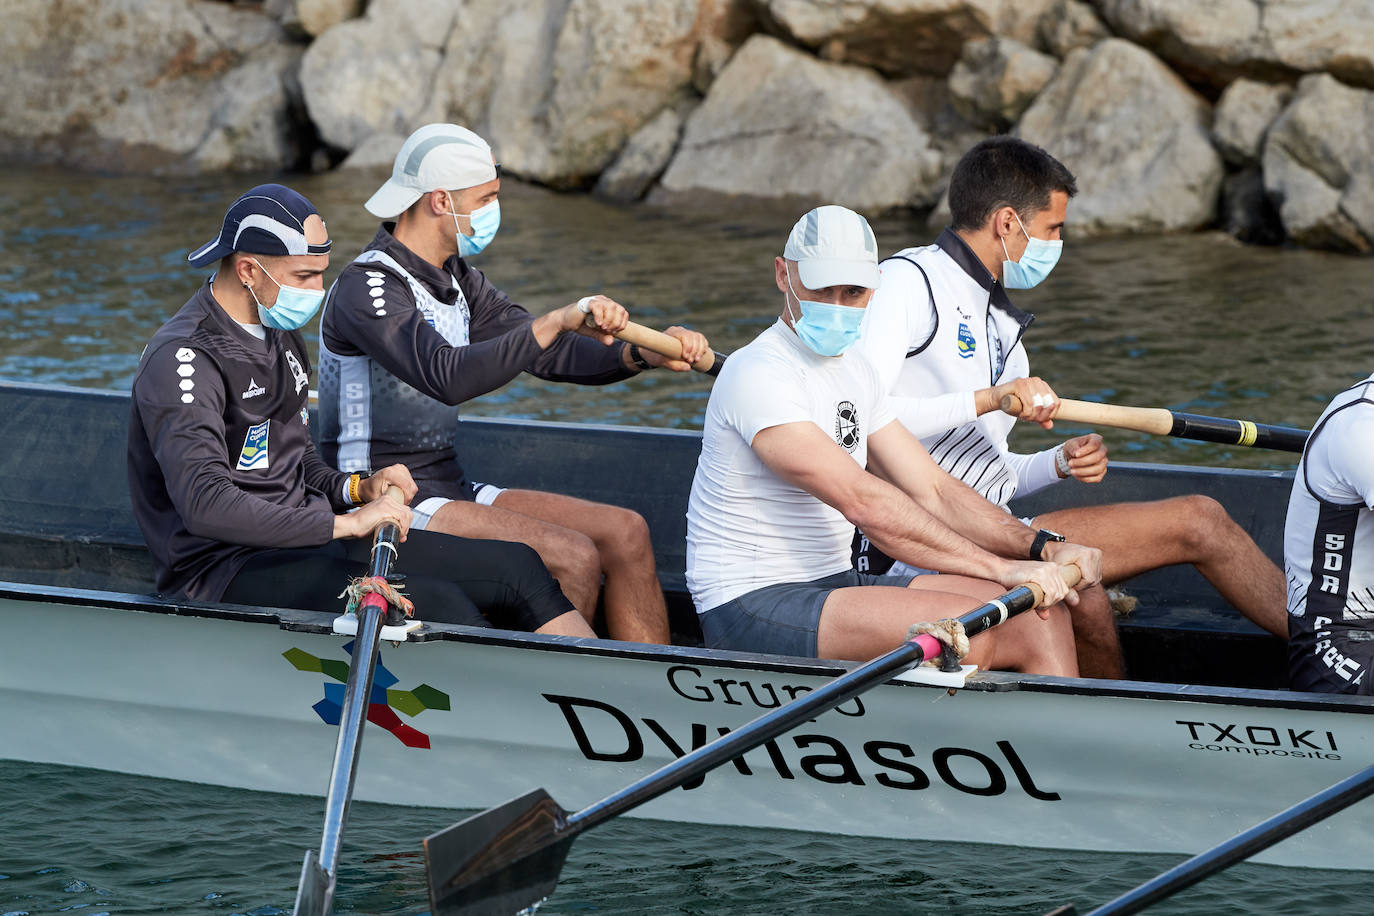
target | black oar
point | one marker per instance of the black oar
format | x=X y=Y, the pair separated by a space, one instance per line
x=508 y=858
x=319 y=874
x=1241 y=846
x=1160 y=422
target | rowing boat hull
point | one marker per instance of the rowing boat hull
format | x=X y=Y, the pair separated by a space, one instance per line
x=225 y=696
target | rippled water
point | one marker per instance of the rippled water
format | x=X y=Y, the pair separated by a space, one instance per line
x=87 y=842
x=90 y=266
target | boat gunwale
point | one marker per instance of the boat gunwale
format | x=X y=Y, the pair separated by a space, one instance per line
x=314 y=622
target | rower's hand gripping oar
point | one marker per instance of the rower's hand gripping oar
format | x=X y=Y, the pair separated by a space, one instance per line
x=664 y=345
x=319 y=874
x=508 y=858
x=1161 y=422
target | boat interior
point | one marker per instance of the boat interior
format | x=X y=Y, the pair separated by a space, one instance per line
x=65 y=519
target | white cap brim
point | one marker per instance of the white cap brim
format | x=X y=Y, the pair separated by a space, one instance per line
x=818 y=273
x=391 y=200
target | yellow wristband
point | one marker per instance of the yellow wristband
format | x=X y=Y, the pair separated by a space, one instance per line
x=353 y=496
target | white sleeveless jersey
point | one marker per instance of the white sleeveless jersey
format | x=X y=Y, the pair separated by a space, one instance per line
x=939 y=327
x=1329 y=535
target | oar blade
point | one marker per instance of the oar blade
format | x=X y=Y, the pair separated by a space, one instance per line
x=315 y=892
x=500 y=861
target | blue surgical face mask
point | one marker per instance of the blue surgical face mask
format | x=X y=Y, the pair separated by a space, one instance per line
x=293 y=308
x=826 y=328
x=1036 y=261
x=485 y=221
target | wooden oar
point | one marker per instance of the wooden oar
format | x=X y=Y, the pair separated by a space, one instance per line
x=319 y=874
x=1241 y=846
x=508 y=858
x=663 y=345
x=1161 y=422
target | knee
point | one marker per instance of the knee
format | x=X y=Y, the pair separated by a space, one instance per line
x=1202 y=521
x=629 y=538
x=579 y=558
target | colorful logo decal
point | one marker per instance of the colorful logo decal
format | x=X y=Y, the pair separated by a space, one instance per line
x=967 y=343
x=253 y=457
x=383 y=702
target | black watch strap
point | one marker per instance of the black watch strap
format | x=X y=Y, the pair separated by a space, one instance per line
x=1043 y=537
x=638 y=358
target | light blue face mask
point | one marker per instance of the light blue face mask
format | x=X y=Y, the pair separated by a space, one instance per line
x=293 y=308
x=826 y=328
x=485 y=221
x=1036 y=261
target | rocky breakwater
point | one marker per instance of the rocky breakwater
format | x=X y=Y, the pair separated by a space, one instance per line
x=1255 y=115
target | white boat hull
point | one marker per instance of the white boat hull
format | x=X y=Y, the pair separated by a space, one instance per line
x=1029 y=762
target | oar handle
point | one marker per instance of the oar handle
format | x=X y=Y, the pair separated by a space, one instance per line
x=1160 y=422
x=1154 y=420
x=664 y=345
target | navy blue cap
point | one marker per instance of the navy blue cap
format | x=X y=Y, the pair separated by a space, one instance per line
x=269 y=219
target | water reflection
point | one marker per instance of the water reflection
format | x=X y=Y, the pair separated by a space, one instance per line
x=91 y=265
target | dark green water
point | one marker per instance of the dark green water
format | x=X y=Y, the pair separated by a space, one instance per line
x=87 y=842
x=90 y=266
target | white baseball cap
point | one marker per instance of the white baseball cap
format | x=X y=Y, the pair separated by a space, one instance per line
x=833 y=246
x=437 y=157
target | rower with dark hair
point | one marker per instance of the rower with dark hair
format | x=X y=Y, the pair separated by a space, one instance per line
x=411 y=330
x=947 y=341
x=226 y=485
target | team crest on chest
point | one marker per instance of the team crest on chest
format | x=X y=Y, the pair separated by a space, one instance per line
x=253 y=455
x=297 y=371
x=847 y=425
x=968 y=344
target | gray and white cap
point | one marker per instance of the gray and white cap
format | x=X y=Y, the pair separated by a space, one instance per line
x=437 y=157
x=833 y=246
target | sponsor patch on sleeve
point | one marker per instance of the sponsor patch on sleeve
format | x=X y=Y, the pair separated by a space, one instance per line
x=253 y=456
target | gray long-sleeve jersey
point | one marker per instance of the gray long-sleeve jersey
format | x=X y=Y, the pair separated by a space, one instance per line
x=220 y=460
x=403 y=343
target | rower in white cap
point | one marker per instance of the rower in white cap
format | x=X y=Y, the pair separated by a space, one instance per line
x=411 y=330
x=800 y=446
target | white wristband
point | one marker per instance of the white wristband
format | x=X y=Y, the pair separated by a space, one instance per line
x=1061 y=463
x=584 y=305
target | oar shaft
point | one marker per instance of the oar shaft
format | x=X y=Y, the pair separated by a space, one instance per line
x=312 y=898
x=823 y=698
x=1160 y=422
x=1242 y=846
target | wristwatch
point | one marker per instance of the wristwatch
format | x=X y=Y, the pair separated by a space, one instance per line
x=1043 y=537
x=638 y=359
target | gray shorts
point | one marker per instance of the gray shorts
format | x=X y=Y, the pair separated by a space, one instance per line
x=781 y=619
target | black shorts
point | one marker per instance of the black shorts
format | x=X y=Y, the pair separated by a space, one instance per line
x=450 y=579
x=1342 y=662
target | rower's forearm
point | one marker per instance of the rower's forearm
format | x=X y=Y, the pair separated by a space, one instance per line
x=905 y=531
x=990 y=527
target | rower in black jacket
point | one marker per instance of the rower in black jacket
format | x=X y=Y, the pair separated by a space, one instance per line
x=233 y=499
x=411 y=330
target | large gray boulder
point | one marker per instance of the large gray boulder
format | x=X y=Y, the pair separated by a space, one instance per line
x=1318 y=168
x=1135 y=136
x=779 y=123
x=312 y=18
x=376 y=75
x=1067 y=26
x=558 y=86
x=1219 y=40
x=1242 y=118
x=643 y=159
x=144 y=85
x=996 y=79
x=902 y=37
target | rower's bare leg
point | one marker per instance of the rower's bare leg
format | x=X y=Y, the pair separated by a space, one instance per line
x=1094 y=634
x=1136 y=537
x=569 y=624
x=868 y=621
x=635 y=611
x=571 y=556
